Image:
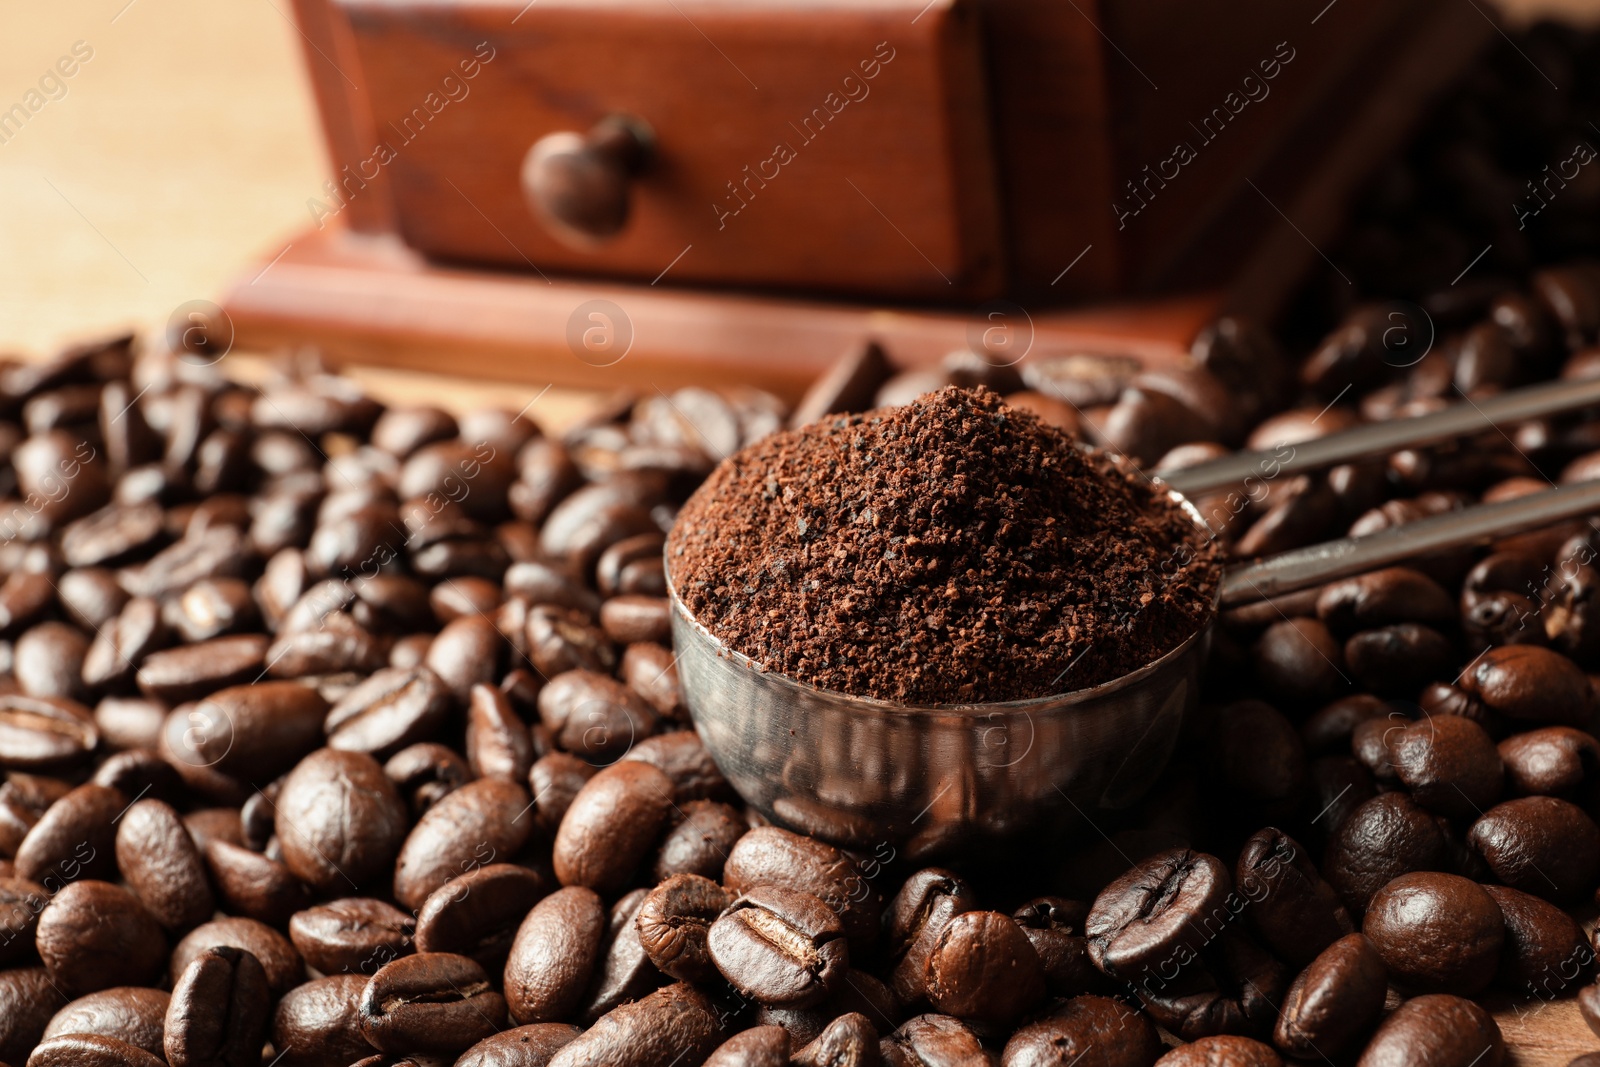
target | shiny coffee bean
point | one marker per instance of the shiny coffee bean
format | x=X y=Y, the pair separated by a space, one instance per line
x=594 y=716
x=1385 y=837
x=674 y=1023
x=769 y=855
x=394 y=707
x=1082 y=1027
x=159 y=861
x=1335 y=1001
x=612 y=826
x=91 y=1050
x=759 y=1046
x=1292 y=909
x=497 y=744
x=44 y=733
x=253 y=885
x=554 y=780
x=278 y=958
x=1540 y=845
x=983 y=967
x=483 y=822
x=477 y=914
x=933 y=1039
x=75 y=838
x=624 y=972
x=1449 y=764
x=339 y=819
x=354 y=935
x=1437 y=1029
x=1544 y=948
x=134 y=1014
x=1233 y=1050
x=95 y=935
x=430 y=1002
x=913 y=923
x=318 y=1024
x=701 y=842
x=1152 y=911
x=1436 y=932
x=1530 y=684
x=554 y=955
x=520 y=1046
x=782 y=947
x=219 y=1011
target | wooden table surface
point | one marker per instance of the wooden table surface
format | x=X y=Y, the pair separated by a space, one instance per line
x=186 y=147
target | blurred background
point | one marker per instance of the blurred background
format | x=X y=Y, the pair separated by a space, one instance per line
x=181 y=151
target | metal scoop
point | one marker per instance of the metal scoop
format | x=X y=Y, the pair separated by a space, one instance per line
x=927 y=781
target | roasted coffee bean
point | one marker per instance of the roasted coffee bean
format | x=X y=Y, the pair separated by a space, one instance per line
x=1531 y=684
x=624 y=972
x=74 y=839
x=1384 y=838
x=48 y=661
x=28 y=999
x=1234 y=990
x=783 y=947
x=669 y=1024
x=426 y=773
x=683 y=757
x=554 y=780
x=219 y=1011
x=701 y=842
x=848 y=1041
x=352 y=934
x=464 y=596
x=430 y=1002
x=465 y=653
x=1298 y=659
x=1054 y=926
x=594 y=716
x=1398 y=659
x=1156 y=909
x=140 y=772
x=218 y=552
x=24 y=798
x=23 y=598
x=340 y=821
x=612 y=826
x=1437 y=1030
x=1384 y=598
x=391 y=709
x=498 y=744
x=521 y=1046
x=983 y=967
x=1449 y=764
x=674 y=922
x=554 y=955
x=913 y=922
x=759 y=1046
x=1544 y=949
x=546 y=582
x=1292 y=909
x=1554 y=761
x=272 y=950
x=44 y=733
x=339 y=644
x=483 y=822
x=91 y=596
x=652 y=671
x=1540 y=845
x=318 y=1024
x=1335 y=1001
x=565 y=639
x=255 y=886
x=402 y=431
x=631 y=619
x=130 y=723
x=477 y=914
x=632 y=567
x=1436 y=932
x=250 y=733
x=769 y=855
x=21 y=901
x=95 y=935
x=91 y=1050
x=124 y=644
x=938 y=1039
x=1082 y=1029
x=159 y=861
x=134 y=1014
x=1232 y=1050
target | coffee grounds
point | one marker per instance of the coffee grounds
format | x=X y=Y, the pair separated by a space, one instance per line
x=953 y=550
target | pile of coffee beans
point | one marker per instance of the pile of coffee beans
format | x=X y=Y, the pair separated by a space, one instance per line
x=950 y=550
x=339 y=734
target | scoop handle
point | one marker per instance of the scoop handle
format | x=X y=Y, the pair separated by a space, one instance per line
x=1302 y=568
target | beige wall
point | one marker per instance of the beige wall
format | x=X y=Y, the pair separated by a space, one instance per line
x=182 y=151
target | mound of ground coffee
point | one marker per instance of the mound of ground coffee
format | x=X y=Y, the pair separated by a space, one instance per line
x=953 y=550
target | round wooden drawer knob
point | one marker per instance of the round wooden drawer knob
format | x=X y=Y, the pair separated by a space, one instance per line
x=578 y=183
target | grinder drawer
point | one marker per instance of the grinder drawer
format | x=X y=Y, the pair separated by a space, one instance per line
x=835 y=146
